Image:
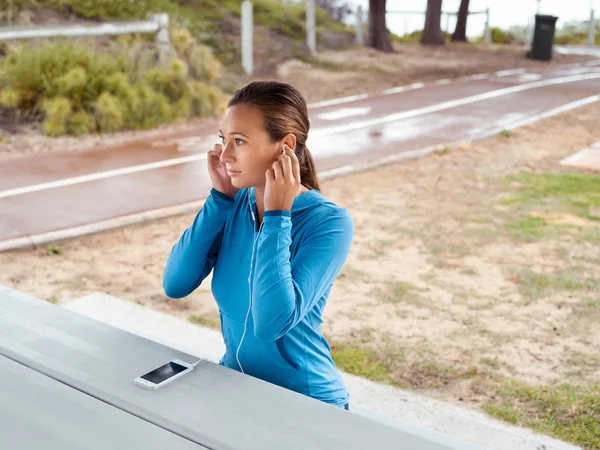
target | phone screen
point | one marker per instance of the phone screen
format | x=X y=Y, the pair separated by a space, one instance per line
x=163 y=373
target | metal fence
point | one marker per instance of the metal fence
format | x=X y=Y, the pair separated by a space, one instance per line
x=159 y=24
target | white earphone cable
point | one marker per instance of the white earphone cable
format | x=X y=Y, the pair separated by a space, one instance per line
x=255 y=239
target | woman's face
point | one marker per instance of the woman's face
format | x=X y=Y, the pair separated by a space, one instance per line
x=247 y=149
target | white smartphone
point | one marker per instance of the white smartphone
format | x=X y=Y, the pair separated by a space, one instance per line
x=164 y=374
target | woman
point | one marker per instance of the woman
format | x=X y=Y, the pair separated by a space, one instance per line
x=275 y=243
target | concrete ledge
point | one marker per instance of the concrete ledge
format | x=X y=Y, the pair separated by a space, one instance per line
x=379 y=402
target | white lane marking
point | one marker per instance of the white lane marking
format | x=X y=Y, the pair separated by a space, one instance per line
x=451 y=104
x=184 y=144
x=342 y=113
x=394 y=90
x=530 y=77
x=504 y=73
x=444 y=81
x=100 y=175
x=481 y=76
x=545 y=115
x=318 y=132
x=337 y=101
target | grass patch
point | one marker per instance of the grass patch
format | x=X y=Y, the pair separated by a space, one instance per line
x=403 y=292
x=53 y=299
x=565 y=411
x=443 y=150
x=205 y=322
x=506 y=133
x=535 y=285
x=582 y=364
x=361 y=362
x=529 y=228
x=571 y=192
x=54 y=250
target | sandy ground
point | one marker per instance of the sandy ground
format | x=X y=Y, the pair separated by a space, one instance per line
x=438 y=283
x=330 y=74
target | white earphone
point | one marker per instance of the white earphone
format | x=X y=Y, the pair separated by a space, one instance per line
x=255 y=240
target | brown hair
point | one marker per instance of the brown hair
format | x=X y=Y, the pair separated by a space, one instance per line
x=284 y=111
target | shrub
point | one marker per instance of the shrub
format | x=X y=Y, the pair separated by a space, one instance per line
x=109 y=115
x=10 y=98
x=80 y=123
x=80 y=90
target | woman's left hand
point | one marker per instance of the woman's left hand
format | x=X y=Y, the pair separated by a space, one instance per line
x=283 y=181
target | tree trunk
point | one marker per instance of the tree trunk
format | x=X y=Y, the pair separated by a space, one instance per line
x=460 y=32
x=379 y=36
x=432 y=32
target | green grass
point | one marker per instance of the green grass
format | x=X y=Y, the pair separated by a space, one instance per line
x=361 y=362
x=54 y=250
x=205 y=322
x=506 y=133
x=571 y=192
x=529 y=228
x=535 y=285
x=403 y=292
x=565 y=411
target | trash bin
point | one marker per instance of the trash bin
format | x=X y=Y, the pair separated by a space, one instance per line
x=543 y=38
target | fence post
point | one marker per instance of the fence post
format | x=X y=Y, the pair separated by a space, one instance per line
x=360 y=23
x=311 y=32
x=163 y=37
x=247 y=32
x=592 y=30
x=488 y=31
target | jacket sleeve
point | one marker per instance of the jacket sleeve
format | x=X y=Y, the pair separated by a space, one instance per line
x=193 y=257
x=284 y=289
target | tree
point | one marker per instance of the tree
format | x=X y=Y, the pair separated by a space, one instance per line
x=460 y=32
x=379 y=36
x=432 y=32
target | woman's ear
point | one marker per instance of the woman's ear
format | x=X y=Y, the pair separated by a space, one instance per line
x=290 y=141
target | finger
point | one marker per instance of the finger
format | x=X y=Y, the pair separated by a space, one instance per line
x=270 y=175
x=286 y=164
x=278 y=170
x=295 y=164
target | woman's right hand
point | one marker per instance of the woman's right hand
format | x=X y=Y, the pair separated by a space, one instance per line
x=217 y=171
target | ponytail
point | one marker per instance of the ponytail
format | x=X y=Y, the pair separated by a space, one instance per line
x=308 y=170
